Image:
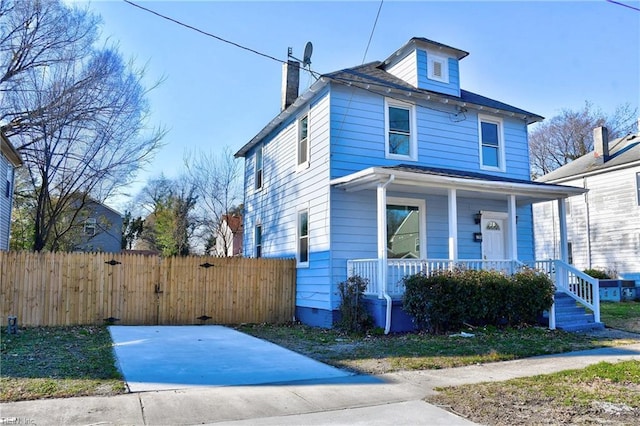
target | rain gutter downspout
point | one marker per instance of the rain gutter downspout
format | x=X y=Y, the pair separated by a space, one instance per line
x=382 y=248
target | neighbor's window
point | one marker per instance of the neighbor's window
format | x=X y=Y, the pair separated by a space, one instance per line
x=303 y=141
x=303 y=237
x=400 y=130
x=491 y=146
x=570 y=253
x=90 y=226
x=258 y=240
x=258 y=165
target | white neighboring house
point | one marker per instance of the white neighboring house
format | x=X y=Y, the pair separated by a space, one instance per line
x=603 y=225
x=9 y=160
x=229 y=239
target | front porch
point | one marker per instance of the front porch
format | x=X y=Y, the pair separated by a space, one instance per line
x=576 y=290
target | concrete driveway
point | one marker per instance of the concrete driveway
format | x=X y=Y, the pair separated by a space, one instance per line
x=175 y=357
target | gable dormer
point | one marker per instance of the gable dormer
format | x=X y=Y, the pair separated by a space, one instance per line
x=427 y=65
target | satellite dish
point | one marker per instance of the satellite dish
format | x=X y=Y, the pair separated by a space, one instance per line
x=308 y=50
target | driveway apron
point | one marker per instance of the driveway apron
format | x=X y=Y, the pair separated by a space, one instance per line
x=174 y=357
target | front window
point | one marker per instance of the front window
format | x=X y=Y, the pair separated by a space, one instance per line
x=258 y=171
x=258 y=240
x=491 y=149
x=303 y=237
x=405 y=229
x=400 y=130
x=303 y=141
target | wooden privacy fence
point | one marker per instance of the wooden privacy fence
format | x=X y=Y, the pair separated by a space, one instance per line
x=44 y=289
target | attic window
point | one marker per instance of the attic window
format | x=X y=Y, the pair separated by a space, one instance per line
x=437 y=68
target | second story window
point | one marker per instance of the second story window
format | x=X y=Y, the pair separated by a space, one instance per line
x=258 y=168
x=491 y=145
x=400 y=130
x=90 y=227
x=258 y=240
x=303 y=141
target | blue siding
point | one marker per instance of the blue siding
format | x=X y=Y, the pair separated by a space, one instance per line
x=451 y=88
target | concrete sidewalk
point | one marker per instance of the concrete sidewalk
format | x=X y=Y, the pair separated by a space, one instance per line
x=397 y=399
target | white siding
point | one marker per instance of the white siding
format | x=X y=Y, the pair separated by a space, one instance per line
x=406 y=69
x=603 y=226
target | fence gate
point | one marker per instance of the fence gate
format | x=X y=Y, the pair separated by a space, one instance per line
x=80 y=288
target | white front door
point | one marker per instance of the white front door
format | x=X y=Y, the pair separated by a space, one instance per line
x=493 y=238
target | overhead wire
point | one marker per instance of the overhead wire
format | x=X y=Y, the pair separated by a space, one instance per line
x=623 y=5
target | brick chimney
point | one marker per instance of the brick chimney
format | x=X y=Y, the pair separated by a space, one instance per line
x=601 y=143
x=290 y=83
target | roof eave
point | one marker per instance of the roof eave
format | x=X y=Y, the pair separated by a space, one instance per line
x=10 y=151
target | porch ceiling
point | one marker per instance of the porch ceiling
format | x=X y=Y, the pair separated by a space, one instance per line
x=437 y=181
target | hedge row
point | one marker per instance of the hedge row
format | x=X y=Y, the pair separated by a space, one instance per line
x=447 y=300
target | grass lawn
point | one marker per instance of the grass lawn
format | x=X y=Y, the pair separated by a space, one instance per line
x=622 y=316
x=415 y=351
x=603 y=393
x=57 y=362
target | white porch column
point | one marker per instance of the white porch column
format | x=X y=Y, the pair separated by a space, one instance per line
x=382 y=238
x=513 y=228
x=453 y=225
x=562 y=219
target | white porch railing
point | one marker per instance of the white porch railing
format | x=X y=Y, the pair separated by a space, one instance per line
x=397 y=269
x=580 y=286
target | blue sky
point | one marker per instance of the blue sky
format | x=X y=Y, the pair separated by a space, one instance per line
x=538 y=56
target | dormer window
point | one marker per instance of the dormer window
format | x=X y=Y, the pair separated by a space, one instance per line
x=400 y=130
x=437 y=68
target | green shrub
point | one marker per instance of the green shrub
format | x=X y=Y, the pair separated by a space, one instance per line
x=354 y=317
x=598 y=273
x=447 y=300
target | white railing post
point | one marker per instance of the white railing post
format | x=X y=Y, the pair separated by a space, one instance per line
x=552 y=316
x=596 y=301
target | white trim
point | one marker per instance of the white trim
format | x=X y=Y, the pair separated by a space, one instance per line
x=452 y=199
x=421 y=204
x=432 y=59
x=299 y=211
x=259 y=149
x=305 y=164
x=501 y=148
x=413 y=129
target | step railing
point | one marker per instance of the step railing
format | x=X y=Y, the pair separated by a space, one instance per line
x=583 y=288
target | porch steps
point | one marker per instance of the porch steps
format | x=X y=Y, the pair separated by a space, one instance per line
x=570 y=316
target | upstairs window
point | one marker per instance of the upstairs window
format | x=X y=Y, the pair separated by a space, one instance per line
x=491 y=145
x=90 y=227
x=258 y=240
x=303 y=141
x=303 y=237
x=400 y=130
x=638 y=186
x=258 y=170
x=437 y=68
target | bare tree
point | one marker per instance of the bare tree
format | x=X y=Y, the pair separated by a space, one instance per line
x=217 y=181
x=569 y=135
x=77 y=113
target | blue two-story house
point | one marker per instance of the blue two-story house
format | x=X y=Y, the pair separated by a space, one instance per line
x=387 y=169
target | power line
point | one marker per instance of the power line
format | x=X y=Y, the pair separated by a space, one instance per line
x=624 y=5
x=372 y=31
x=204 y=32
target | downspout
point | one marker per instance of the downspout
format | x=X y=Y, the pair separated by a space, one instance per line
x=382 y=248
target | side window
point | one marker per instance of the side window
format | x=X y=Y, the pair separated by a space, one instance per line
x=258 y=168
x=491 y=144
x=258 y=240
x=7 y=192
x=303 y=141
x=303 y=237
x=638 y=187
x=90 y=226
x=400 y=133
